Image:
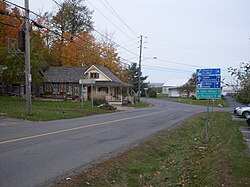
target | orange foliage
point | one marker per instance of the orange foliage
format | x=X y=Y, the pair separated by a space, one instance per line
x=12 y=18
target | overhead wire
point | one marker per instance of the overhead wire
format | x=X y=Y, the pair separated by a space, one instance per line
x=190 y=51
x=109 y=20
x=104 y=35
x=159 y=68
x=111 y=9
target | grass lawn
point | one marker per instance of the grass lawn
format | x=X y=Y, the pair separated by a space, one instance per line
x=162 y=96
x=141 y=104
x=200 y=102
x=46 y=110
x=178 y=157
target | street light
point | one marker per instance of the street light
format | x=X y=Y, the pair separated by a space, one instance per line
x=139 y=81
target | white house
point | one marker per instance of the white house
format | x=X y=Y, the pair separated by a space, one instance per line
x=64 y=81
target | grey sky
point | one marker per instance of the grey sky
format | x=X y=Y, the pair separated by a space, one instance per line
x=203 y=33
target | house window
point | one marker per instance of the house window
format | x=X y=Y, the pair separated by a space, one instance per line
x=94 y=75
x=103 y=89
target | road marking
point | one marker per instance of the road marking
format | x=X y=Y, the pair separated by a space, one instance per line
x=77 y=128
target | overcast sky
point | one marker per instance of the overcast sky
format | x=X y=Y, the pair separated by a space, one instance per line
x=182 y=34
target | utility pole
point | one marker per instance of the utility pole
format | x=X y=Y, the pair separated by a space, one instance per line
x=139 y=73
x=27 y=59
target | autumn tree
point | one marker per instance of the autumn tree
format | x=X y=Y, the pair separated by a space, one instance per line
x=241 y=84
x=11 y=66
x=190 y=85
x=73 y=17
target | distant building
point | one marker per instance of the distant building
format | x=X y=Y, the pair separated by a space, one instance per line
x=172 y=84
x=166 y=87
x=228 y=91
x=155 y=85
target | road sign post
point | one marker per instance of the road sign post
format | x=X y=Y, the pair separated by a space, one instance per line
x=208 y=86
x=87 y=82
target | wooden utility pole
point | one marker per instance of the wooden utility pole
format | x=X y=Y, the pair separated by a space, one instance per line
x=139 y=73
x=27 y=59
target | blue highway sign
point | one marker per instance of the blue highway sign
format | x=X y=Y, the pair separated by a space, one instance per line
x=214 y=71
x=208 y=83
x=212 y=78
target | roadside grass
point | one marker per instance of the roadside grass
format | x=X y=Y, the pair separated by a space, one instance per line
x=162 y=96
x=200 y=102
x=178 y=157
x=141 y=104
x=159 y=96
x=44 y=110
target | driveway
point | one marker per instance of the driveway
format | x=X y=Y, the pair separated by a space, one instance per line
x=38 y=153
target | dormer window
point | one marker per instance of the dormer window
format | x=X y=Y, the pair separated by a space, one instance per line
x=94 y=75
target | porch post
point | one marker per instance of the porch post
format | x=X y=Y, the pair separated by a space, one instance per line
x=121 y=93
x=109 y=90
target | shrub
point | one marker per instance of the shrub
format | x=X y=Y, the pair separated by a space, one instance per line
x=99 y=98
x=153 y=94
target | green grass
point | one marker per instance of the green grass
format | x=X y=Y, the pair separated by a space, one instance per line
x=200 y=102
x=46 y=110
x=159 y=96
x=141 y=104
x=162 y=96
x=178 y=158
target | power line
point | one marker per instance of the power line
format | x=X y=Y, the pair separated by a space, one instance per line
x=69 y=39
x=190 y=49
x=14 y=4
x=103 y=34
x=179 y=63
x=111 y=9
x=114 y=42
x=109 y=20
x=164 y=68
x=131 y=41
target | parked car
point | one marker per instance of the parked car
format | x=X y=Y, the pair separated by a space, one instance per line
x=235 y=110
x=242 y=111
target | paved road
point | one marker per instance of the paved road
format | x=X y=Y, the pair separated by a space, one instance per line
x=232 y=102
x=38 y=153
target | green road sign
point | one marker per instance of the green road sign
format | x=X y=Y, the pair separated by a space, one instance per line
x=208 y=93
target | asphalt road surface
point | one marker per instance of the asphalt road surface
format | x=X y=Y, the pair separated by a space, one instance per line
x=39 y=153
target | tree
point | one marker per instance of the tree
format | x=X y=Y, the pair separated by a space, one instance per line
x=241 y=84
x=190 y=85
x=73 y=17
x=134 y=78
x=11 y=67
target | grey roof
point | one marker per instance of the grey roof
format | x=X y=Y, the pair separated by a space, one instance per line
x=108 y=73
x=64 y=74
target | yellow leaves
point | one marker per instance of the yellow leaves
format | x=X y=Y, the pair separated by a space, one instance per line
x=7 y=31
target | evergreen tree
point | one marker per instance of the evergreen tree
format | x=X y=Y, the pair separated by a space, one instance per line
x=134 y=78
